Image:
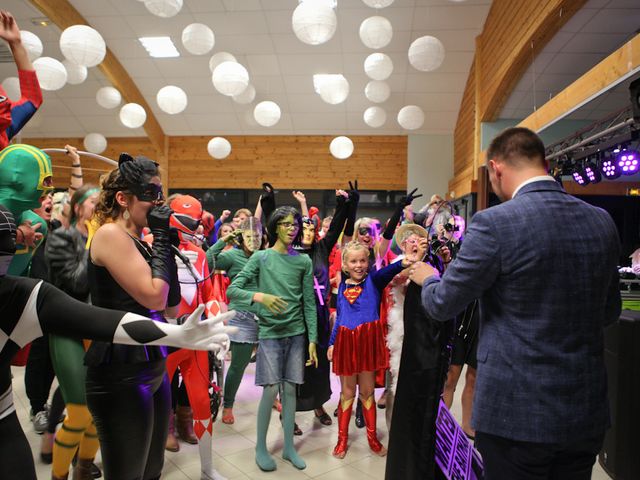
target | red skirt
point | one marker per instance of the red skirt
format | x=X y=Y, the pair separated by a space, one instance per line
x=360 y=350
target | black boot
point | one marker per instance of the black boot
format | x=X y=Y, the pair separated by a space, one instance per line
x=359 y=416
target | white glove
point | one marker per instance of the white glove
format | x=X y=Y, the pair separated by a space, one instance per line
x=193 y=334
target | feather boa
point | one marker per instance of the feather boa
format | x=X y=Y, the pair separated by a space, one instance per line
x=395 y=334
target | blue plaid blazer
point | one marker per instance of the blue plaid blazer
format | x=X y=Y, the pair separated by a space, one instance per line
x=544 y=266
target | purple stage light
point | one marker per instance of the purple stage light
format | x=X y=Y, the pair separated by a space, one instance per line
x=628 y=162
x=609 y=168
x=580 y=178
x=592 y=173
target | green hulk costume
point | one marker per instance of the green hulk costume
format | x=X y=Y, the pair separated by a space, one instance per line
x=286 y=309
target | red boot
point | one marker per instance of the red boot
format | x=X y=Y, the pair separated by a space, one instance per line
x=344 y=417
x=369 y=413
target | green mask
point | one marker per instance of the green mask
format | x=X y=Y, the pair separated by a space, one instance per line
x=24 y=170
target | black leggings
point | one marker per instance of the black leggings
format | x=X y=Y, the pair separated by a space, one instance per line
x=130 y=407
x=38 y=374
x=16 y=461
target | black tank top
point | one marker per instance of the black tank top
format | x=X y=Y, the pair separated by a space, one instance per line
x=107 y=293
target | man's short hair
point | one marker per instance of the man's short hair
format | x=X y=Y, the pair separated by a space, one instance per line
x=516 y=144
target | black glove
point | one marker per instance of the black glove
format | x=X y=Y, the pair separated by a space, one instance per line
x=174 y=296
x=354 y=199
x=354 y=194
x=162 y=261
x=268 y=200
x=397 y=214
x=67 y=258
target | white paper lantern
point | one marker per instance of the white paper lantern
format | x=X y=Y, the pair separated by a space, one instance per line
x=51 y=73
x=171 y=99
x=378 y=3
x=378 y=66
x=267 y=113
x=95 y=143
x=341 y=147
x=83 y=45
x=377 y=91
x=76 y=74
x=163 y=8
x=411 y=117
x=376 y=32
x=32 y=44
x=332 y=88
x=230 y=78
x=426 y=53
x=198 y=39
x=314 y=23
x=11 y=86
x=247 y=96
x=108 y=97
x=219 y=148
x=132 y=115
x=375 y=117
x=218 y=58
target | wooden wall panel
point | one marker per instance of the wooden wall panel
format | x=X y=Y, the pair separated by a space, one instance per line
x=514 y=32
x=378 y=162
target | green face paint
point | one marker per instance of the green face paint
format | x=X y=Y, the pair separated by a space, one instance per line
x=287 y=230
x=25 y=176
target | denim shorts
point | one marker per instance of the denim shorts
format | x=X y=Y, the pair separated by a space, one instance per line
x=247 y=324
x=280 y=360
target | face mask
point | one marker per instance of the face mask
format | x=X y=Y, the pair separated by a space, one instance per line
x=151 y=192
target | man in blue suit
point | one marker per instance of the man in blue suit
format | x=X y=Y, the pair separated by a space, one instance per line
x=544 y=266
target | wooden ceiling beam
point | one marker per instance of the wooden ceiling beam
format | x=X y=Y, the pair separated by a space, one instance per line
x=64 y=15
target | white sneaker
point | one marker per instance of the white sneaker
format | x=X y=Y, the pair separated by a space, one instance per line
x=40 y=421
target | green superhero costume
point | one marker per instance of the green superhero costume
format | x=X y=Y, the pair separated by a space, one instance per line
x=25 y=173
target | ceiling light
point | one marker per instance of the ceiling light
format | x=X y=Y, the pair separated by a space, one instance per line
x=328 y=3
x=159 y=47
x=333 y=88
x=592 y=172
x=579 y=175
x=609 y=168
x=41 y=21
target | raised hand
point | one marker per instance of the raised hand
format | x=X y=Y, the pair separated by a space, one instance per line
x=409 y=198
x=299 y=196
x=9 y=30
x=354 y=194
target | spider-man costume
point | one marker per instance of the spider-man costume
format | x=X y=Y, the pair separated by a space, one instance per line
x=14 y=115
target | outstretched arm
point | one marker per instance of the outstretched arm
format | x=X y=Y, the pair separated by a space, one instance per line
x=10 y=33
x=302 y=200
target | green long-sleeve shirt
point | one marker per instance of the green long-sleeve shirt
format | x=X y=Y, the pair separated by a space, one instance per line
x=287 y=276
x=232 y=261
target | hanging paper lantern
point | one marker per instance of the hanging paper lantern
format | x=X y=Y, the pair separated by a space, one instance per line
x=95 y=143
x=378 y=3
x=378 y=66
x=411 y=117
x=163 y=8
x=332 y=88
x=198 y=39
x=132 y=115
x=314 y=23
x=83 y=45
x=32 y=44
x=218 y=58
x=219 y=148
x=341 y=147
x=171 y=99
x=230 y=78
x=11 y=86
x=76 y=74
x=377 y=91
x=375 y=117
x=376 y=32
x=426 y=53
x=51 y=73
x=267 y=113
x=247 y=96
x=108 y=97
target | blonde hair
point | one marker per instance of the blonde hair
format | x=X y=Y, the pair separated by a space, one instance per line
x=364 y=221
x=352 y=246
x=246 y=211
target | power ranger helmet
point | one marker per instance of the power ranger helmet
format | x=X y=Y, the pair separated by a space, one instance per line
x=186 y=217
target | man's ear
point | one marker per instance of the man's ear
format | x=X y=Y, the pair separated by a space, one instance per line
x=496 y=167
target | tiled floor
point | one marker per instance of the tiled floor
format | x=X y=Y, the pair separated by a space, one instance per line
x=234 y=444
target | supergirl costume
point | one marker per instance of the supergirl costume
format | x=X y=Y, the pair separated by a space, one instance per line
x=358 y=336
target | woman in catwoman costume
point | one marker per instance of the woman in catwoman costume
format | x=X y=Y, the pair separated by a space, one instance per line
x=29 y=307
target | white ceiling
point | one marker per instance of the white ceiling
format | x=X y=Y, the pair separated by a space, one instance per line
x=592 y=34
x=259 y=34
